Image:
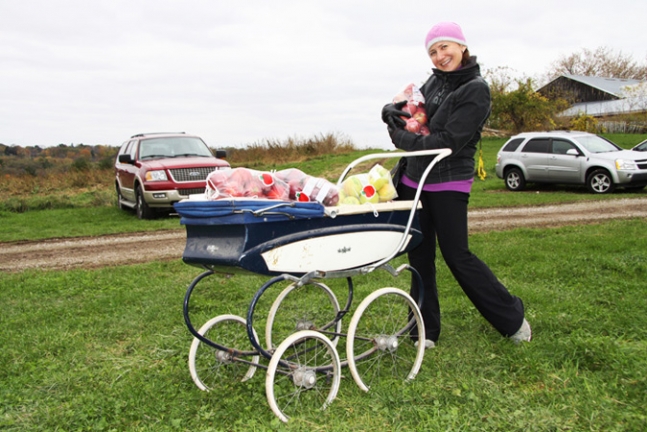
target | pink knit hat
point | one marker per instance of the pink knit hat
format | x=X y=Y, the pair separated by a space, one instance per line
x=445 y=31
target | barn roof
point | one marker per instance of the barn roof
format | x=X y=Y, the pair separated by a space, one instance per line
x=614 y=86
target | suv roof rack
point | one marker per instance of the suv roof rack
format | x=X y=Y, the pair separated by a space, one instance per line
x=156 y=133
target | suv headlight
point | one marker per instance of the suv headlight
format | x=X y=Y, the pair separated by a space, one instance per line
x=156 y=176
x=623 y=164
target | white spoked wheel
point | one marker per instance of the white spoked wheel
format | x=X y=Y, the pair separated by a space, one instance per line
x=312 y=306
x=209 y=365
x=378 y=345
x=303 y=375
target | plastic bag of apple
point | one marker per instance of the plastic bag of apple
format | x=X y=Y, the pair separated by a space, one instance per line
x=286 y=185
x=304 y=188
x=247 y=183
x=372 y=187
x=415 y=106
x=293 y=184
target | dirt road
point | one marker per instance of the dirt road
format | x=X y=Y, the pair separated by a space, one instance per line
x=112 y=250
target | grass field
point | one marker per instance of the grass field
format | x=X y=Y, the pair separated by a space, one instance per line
x=107 y=349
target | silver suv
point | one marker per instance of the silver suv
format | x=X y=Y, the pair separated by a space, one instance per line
x=570 y=157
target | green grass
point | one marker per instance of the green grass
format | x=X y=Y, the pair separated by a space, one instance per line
x=107 y=349
x=75 y=222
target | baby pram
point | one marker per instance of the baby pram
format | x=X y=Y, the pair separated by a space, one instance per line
x=303 y=244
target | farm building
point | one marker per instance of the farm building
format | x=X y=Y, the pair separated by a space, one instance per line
x=602 y=98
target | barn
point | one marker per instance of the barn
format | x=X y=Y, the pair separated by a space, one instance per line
x=606 y=99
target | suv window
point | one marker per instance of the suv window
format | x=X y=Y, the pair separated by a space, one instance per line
x=132 y=148
x=537 y=145
x=596 y=144
x=561 y=146
x=512 y=145
x=122 y=149
x=173 y=147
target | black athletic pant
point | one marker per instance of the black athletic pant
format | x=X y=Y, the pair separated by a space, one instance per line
x=444 y=217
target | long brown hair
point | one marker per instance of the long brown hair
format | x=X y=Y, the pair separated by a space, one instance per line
x=466 y=57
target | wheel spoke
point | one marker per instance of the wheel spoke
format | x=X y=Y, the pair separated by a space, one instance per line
x=303 y=376
x=309 y=307
x=379 y=348
x=210 y=366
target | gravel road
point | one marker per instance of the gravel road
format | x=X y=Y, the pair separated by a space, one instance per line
x=120 y=249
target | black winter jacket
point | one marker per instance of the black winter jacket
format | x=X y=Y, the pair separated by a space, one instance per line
x=458 y=104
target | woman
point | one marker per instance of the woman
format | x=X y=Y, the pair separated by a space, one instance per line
x=457 y=101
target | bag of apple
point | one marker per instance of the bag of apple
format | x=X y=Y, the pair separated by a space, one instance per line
x=306 y=188
x=247 y=183
x=415 y=106
x=372 y=187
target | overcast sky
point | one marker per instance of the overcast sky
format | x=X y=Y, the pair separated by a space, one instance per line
x=242 y=72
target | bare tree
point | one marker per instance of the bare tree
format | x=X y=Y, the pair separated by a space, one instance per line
x=603 y=62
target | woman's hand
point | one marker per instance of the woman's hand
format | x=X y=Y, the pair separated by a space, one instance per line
x=392 y=115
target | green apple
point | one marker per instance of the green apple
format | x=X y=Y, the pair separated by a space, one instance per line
x=352 y=186
x=387 y=192
x=379 y=176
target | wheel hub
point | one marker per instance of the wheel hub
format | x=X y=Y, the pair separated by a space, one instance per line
x=304 y=325
x=223 y=356
x=387 y=343
x=305 y=378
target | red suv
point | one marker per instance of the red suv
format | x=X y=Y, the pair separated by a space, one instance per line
x=155 y=170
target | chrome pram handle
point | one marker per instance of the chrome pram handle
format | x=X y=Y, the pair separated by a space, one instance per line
x=439 y=153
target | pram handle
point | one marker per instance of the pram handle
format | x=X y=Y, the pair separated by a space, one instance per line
x=439 y=153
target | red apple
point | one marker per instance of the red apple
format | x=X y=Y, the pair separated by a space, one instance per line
x=412 y=125
x=421 y=116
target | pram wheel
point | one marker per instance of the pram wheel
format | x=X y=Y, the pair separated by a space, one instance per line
x=303 y=375
x=378 y=345
x=209 y=365
x=312 y=306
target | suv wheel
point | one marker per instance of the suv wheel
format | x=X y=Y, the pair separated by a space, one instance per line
x=600 y=182
x=514 y=180
x=142 y=208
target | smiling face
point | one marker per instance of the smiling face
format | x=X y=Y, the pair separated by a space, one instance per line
x=446 y=56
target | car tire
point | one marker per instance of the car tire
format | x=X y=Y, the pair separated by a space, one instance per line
x=600 y=182
x=514 y=180
x=142 y=208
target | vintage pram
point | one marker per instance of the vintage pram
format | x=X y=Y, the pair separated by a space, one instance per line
x=301 y=244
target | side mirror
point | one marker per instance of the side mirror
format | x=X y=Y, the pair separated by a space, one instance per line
x=221 y=154
x=572 y=152
x=126 y=159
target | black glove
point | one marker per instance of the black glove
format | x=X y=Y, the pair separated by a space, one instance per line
x=391 y=114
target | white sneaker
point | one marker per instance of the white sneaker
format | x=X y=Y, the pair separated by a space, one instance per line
x=429 y=344
x=524 y=334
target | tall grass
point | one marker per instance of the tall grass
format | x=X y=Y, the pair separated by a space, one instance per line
x=59 y=189
x=270 y=152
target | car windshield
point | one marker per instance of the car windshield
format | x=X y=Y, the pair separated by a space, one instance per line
x=596 y=144
x=173 y=147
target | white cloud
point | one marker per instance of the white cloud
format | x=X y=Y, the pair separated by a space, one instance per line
x=237 y=73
